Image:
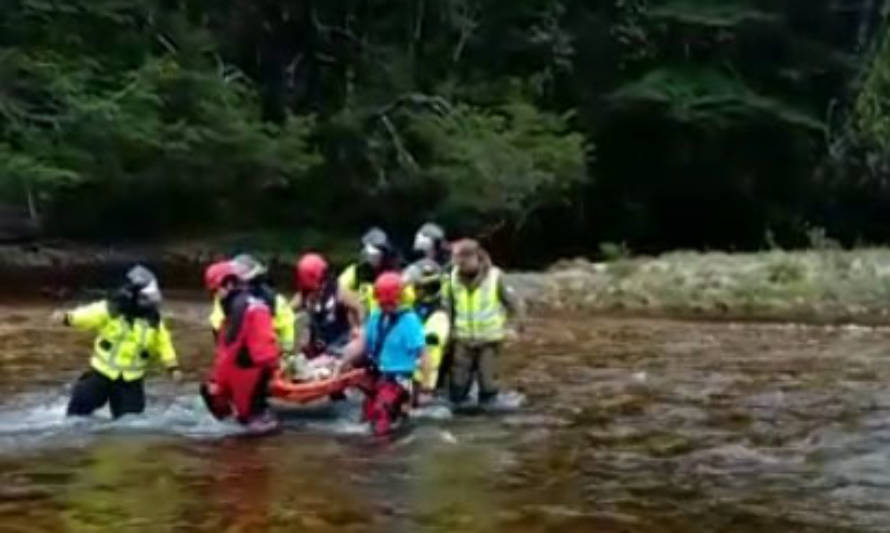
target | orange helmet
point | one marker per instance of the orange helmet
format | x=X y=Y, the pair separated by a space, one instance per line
x=388 y=289
x=310 y=272
x=217 y=274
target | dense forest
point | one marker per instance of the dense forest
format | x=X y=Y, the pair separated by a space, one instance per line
x=548 y=127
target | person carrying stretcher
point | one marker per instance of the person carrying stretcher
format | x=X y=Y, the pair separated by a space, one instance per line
x=246 y=351
x=334 y=319
x=395 y=349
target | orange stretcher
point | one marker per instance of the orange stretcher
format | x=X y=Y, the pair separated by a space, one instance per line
x=301 y=392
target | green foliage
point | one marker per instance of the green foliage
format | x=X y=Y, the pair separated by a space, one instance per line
x=75 y=118
x=785 y=271
x=723 y=15
x=707 y=99
x=560 y=123
x=613 y=252
x=494 y=164
x=871 y=110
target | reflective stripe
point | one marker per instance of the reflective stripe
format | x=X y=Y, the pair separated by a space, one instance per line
x=437 y=324
x=108 y=362
x=478 y=312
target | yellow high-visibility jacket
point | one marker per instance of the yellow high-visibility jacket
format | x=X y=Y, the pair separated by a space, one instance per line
x=437 y=329
x=123 y=349
x=349 y=281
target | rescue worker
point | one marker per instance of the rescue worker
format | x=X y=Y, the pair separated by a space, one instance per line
x=258 y=283
x=378 y=255
x=335 y=315
x=437 y=328
x=478 y=301
x=130 y=335
x=394 y=347
x=246 y=350
x=430 y=243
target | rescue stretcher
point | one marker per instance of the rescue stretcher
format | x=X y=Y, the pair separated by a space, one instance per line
x=283 y=388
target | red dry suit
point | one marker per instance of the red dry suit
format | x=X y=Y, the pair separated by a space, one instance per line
x=246 y=357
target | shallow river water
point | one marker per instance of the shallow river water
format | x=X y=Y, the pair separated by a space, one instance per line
x=626 y=426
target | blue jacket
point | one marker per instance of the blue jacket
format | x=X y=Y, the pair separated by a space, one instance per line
x=402 y=342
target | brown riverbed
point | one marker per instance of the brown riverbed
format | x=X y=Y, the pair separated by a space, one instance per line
x=628 y=425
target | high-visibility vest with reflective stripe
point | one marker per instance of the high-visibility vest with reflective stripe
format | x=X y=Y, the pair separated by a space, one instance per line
x=479 y=314
x=284 y=320
x=349 y=281
x=436 y=324
x=123 y=349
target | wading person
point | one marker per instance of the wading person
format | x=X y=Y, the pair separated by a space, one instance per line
x=427 y=282
x=378 y=255
x=130 y=336
x=335 y=315
x=394 y=350
x=478 y=301
x=246 y=350
x=430 y=244
x=256 y=275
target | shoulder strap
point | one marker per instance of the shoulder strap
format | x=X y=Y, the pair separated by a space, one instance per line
x=383 y=332
x=235 y=311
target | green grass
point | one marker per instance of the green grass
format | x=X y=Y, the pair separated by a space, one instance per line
x=819 y=284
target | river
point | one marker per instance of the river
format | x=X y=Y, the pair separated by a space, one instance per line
x=627 y=425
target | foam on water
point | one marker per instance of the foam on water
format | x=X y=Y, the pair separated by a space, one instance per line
x=38 y=419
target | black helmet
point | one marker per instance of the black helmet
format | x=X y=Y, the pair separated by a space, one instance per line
x=139 y=295
x=426 y=275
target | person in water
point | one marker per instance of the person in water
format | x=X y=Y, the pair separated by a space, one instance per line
x=430 y=244
x=432 y=247
x=335 y=315
x=378 y=255
x=130 y=335
x=478 y=300
x=437 y=327
x=246 y=349
x=395 y=348
x=260 y=287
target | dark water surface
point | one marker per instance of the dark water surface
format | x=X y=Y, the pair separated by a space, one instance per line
x=627 y=425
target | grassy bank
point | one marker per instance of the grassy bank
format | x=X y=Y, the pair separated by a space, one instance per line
x=823 y=285
x=818 y=285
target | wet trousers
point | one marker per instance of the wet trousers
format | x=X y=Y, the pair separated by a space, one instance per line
x=243 y=391
x=386 y=398
x=474 y=360
x=93 y=390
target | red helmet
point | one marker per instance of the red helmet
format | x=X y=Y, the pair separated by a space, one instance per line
x=217 y=273
x=388 y=289
x=310 y=272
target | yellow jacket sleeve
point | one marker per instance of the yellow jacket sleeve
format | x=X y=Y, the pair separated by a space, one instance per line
x=163 y=347
x=285 y=324
x=89 y=317
x=348 y=280
x=217 y=316
x=409 y=295
x=439 y=324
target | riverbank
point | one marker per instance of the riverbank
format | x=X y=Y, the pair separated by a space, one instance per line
x=812 y=286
